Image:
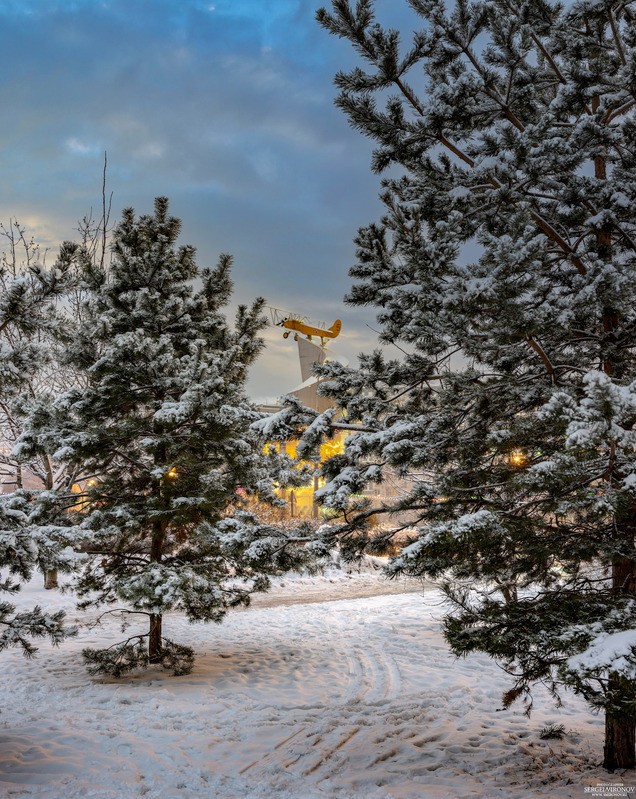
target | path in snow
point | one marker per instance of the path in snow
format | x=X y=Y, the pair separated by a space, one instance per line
x=335 y=584
x=348 y=699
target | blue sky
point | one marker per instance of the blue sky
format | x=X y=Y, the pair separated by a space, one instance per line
x=226 y=107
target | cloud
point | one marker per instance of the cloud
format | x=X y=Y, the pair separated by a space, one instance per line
x=79 y=147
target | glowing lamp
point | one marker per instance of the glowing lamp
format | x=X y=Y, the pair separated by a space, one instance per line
x=518 y=458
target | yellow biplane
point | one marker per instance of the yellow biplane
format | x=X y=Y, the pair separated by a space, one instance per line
x=301 y=324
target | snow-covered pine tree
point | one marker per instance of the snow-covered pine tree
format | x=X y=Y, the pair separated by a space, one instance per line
x=28 y=316
x=505 y=270
x=164 y=428
x=45 y=377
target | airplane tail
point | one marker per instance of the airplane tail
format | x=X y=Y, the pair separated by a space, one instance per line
x=335 y=327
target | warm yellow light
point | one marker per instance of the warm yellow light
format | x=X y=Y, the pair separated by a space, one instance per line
x=518 y=458
x=330 y=448
x=90 y=483
x=172 y=473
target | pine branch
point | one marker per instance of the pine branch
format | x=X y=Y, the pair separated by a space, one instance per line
x=544 y=358
x=616 y=36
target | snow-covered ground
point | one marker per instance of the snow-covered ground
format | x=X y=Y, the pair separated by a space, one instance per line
x=310 y=693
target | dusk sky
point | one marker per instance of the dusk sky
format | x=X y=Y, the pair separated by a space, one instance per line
x=224 y=106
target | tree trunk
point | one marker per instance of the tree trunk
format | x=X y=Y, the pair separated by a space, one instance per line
x=156 y=554
x=620 y=740
x=620 y=725
x=50 y=575
x=620 y=728
x=154 y=639
x=50 y=579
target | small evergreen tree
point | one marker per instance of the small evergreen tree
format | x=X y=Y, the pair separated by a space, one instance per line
x=164 y=428
x=505 y=270
x=28 y=317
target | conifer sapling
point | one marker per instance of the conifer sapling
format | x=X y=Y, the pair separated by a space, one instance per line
x=164 y=428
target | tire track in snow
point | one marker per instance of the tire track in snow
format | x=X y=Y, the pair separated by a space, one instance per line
x=373 y=679
x=377 y=678
x=327 y=755
x=356 y=679
x=381 y=678
x=394 y=678
x=271 y=756
x=300 y=749
x=317 y=747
